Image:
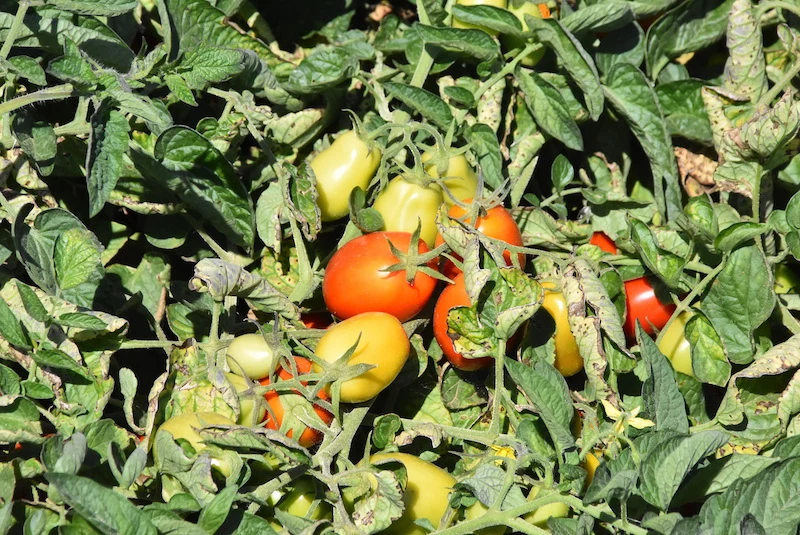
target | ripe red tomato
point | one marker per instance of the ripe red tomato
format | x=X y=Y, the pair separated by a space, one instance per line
x=605 y=243
x=452 y=296
x=642 y=304
x=280 y=402
x=355 y=280
x=497 y=223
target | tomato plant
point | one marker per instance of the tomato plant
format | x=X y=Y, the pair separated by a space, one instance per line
x=294 y=405
x=404 y=205
x=643 y=305
x=521 y=8
x=454 y=295
x=348 y=163
x=357 y=278
x=379 y=340
x=251 y=356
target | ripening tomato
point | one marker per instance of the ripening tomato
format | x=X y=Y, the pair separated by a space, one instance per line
x=300 y=501
x=186 y=425
x=382 y=342
x=494 y=3
x=459 y=178
x=497 y=223
x=356 y=281
x=520 y=8
x=249 y=355
x=675 y=346
x=251 y=410
x=404 y=205
x=539 y=517
x=642 y=305
x=568 y=357
x=294 y=402
x=452 y=296
x=346 y=164
x=606 y=244
x=426 y=492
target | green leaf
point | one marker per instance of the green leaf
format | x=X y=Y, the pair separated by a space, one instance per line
x=28 y=68
x=107 y=510
x=625 y=45
x=601 y=17
x=11 y=329
x=739 y=300
x=203 y=66
x=631 y=94
x=427 y=104
x=682 y=104
x=488 y=16
x=300 y=197
x=662 y=399
x=667 y=265
x=561 y=172
x=33 y=305
x=80 y=320
x=148 y=280
x=745 y=70
x=322 y=70
x=103 y=8
x=470 y=43
x=574 y=59
x=549 y=393
x=20 y=415
x=214 y=514
x=37 y=140
x=180 y=89
x=737 y=234
x=709 y=363
x=668 y=464
x=76 y=258
x=549 y=109
x=770 y=129
x=486 y=148
x=206 y=181
x=58 y=360
x=108 y=143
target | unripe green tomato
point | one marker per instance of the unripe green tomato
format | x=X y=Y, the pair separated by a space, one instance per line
x=249 y=355
x=425 y=496
x=383 y=343
x=185 y=426
x=459 y=178
x=494 y=3
x=251 y=408
x=403 y=205
x=676 y=347
x=346 y=164
x=521 y=8
x=299 y=500
x=477 y=510
x=540 y=516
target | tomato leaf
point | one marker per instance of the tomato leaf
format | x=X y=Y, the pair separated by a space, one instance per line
x=662 y=399
x=11 y=329
x=37 y=140
x=488 y=16
x=426 y=103
x=549 y=109
x=745 y=69
x=681 y=102
x=603 y=17
x=486 y=148
x=322 y=70
x=708 y=355
x=214 y=514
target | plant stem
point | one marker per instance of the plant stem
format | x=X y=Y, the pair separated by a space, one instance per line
x=16 y=25
x=507 y=69
x=770 y=95
x=499 y=386
x=148 y=344
x=552 y=198
x=57 y=92
x=777 y=4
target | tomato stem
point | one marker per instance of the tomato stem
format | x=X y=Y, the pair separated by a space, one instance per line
x=16 y=25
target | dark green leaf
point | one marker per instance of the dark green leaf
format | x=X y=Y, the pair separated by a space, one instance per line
x=682 y=104
x=104 y=8
x=662 y=399
x=108 y=143
x=11 y=329
x=322 y=70
x=549 y=109
x=471 y=43
x=37 y=140
x=738 y=233
x=487 y=16
x=427 y=104
x=486 y=148
x=600 y=17
x=58 y=360
x=214 y=514
x=28 y=68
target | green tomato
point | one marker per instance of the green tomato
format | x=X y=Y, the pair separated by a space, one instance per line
x=675 y=346
x=347 y=164
x=382 y=342
x=251 y=406
x=494 y=3
x=403 y=205
x=786 y=280
x=249 y=355
x=426 y=493
x=185 y=426
x=540 y=516
x=520 y=8
x=459 y=177
x=300 y=502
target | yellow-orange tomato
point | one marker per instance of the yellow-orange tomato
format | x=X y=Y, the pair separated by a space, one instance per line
x=383 y=343
x=568 y=356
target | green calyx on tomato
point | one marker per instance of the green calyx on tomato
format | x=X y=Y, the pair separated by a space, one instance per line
x=382 y=343
x=674 y=345
x=458 y=180
x=348 y=163
x=405 y=205
x=366 y=275
x=250 y=355
x=521 y=8
x=454 y=295
x=288 y=411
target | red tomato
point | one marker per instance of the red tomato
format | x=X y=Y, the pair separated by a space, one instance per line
x=605 y=243
x=498 y=223
x=274 y=418
x=355 y=280
x=642 y=304
x=452 y=296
